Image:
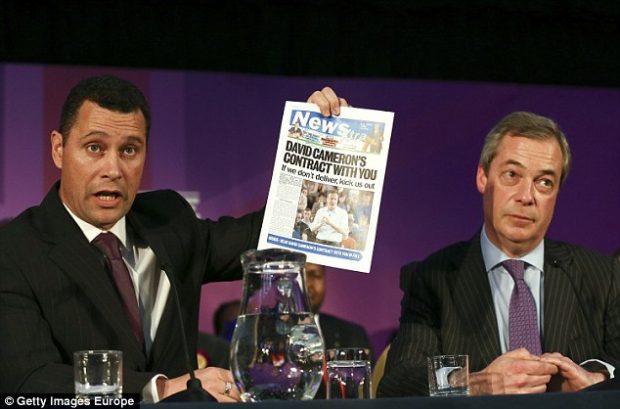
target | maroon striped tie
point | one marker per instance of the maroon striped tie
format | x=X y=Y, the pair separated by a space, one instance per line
x=522 y=316
x=109 y=244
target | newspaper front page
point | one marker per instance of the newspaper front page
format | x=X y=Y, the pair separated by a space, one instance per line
x=326 y=186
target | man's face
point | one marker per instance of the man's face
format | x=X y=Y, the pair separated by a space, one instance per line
x=315 y=283
x=307 y=215
x=101 y=163
x=519 y=192
x=332 y=201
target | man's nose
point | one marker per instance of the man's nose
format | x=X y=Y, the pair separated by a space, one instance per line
x=112 y=165
x=525 y=195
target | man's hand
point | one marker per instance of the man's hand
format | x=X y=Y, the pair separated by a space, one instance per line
x=514 y=372
x=213 y=379
x=329 y=103
x=571 y=377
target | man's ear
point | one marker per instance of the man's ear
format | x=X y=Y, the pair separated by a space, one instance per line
x=57 y=148
x=481 y=179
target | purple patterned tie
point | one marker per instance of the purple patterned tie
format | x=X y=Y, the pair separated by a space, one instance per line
x=108 y=243
x=522 y=316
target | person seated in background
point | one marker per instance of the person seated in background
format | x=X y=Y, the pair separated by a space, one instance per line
x=336 y=332
x=296 y=234
x=533 y=314
x=320 y=201
x=225 y=317
x=304 y=227
x=313 y=192
x=212 y=351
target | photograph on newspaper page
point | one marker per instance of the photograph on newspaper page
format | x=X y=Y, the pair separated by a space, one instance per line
x=326 y=186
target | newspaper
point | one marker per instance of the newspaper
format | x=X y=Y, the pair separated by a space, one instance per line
x=326 y=186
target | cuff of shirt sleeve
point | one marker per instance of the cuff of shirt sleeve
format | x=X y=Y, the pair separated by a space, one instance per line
x=149 y=392
x=597 y=363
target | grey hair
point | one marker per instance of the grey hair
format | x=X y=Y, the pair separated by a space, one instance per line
x=527 y=125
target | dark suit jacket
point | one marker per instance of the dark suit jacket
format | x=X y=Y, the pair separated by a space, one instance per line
x=215 y=350
x=56 y=297
x=339 y=333
x=447 y=309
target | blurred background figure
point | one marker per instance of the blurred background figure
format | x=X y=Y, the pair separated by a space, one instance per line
x=214 y=350
x=225 y=317
x=337 y=332
x=305 y=226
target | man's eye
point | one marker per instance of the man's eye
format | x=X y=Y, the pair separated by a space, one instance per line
x=130 y=150
x=509 y=175
x=93 y=147
x=546 y=184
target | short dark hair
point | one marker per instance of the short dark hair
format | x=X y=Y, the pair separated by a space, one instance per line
x=109 y=92
x=332 y=191
x=219 y=316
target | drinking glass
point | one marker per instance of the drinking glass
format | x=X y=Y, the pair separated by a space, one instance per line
x=98 y=373
x=348 y=373
x=448 y=375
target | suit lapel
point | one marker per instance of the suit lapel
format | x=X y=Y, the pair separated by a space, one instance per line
x=561 y=285
x=78 y=259
x=473 y=302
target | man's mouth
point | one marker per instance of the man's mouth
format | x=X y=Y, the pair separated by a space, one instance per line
x=107 y=196
x=522 y=219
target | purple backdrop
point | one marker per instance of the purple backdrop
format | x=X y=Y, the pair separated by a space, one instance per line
x=216 y=134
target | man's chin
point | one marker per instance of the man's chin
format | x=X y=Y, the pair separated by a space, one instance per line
x=520 y=242
x=519 y=232
x=107 y=218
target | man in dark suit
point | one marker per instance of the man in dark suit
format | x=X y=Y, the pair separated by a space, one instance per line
x=57 y=291
x=337 y=332
x=458 y=300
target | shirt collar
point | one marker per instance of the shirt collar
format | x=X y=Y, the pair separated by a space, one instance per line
x=493 y=256
x=119 y=229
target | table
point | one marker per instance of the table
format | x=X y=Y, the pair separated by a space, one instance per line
x=585 y=400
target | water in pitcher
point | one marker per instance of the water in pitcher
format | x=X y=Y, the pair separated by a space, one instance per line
x=283 y=360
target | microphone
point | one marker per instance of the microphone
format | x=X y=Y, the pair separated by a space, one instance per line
x=583 y=306
x=194 y=392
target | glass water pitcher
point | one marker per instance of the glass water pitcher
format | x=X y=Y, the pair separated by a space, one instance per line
x=277 y=348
